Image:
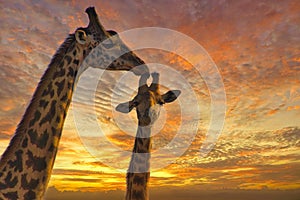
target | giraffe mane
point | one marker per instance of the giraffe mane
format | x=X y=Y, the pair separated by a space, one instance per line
x=58 y=57
x=64 y=48
x=56 y=60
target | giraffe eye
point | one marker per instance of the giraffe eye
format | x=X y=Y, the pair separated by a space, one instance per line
x=135 y=103
x=161 y=103
x=112 y=33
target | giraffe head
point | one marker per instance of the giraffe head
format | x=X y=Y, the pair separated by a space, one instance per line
x=104 y=49
x=148 y=101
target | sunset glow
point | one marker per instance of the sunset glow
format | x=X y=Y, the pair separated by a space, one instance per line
x=254 y=44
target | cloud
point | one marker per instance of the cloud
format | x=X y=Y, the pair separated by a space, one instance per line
x=255 y=47
x=241 y=159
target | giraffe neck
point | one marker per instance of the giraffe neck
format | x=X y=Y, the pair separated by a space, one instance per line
x=26 y=165
x=139 y=169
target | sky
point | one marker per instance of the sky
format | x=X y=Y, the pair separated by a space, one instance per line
x=254 y=46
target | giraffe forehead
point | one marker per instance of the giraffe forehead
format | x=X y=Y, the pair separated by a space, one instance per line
x=99 y=35
x=149 y=96
x=148 y=102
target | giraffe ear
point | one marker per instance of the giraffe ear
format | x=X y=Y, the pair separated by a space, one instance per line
x=80 y=36
x=171 y=96
x=126 y=107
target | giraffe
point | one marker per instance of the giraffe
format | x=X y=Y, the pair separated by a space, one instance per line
x=26 y=164
x=147 y=102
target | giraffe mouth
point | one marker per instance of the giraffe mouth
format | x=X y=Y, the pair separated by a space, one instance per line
x=136 y=65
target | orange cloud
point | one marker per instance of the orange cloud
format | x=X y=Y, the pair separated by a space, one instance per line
x=255 y=49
